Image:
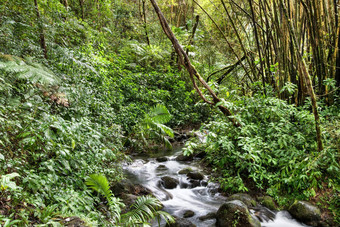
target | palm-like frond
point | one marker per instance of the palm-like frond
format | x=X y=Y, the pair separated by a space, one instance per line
x=152 y=126
x=160 y=114
x=33 y=72
x=144 y=210
x=100 y=184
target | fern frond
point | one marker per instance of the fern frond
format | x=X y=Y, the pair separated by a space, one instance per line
x=144 y=210
x=100 y=184
x=166 y=216
x=33 y=72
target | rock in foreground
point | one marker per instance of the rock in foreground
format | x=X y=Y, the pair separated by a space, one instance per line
x=306 y=213
x=235 y=213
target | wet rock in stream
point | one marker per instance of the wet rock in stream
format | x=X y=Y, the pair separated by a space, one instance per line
x=235 y=213
x=183 y=158
x=185 y=171
x=267 y=201
x=188 y=214
x=169 y=182
x=181 y=222
x=162 y=168
x=306 y=213
x=195 y=175
x=162 y=159
x=245 y=198
x=194 y=183
x=208 y=216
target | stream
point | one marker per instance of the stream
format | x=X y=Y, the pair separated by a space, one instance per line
x=201 y=198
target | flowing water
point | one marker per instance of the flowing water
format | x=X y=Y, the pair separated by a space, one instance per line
x=202 y=199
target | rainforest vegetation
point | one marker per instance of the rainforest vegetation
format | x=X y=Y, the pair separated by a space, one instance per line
x=84 y=84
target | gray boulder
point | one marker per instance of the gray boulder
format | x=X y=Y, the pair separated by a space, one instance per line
x=306 y=213
x=235 y=213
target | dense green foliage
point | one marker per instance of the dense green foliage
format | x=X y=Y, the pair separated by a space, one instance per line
x=274 y=150
x=69 y=116
x=83 y=83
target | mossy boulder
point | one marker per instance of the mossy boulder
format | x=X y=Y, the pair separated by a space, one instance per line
x=195 y=175
x=235 y=213
x=268 y=202
x=245 y=198
x=185 y=171
x=169 y=182
x=306 y=213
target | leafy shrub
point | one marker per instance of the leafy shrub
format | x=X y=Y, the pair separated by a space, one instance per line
x=275 y=148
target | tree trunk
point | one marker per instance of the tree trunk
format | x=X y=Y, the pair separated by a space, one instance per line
x=191 y=40
x=41 y=28
x=81 y=3
x=185 y=61
x=145 y=24
x=307 y=79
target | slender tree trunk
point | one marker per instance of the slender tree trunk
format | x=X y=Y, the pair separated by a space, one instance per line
x=185 y=61
x=303 y=69
x=145 y=24
x=81 y=3
x=65 y=3
x=41 y=28
x=258 y=47
x=191 y=40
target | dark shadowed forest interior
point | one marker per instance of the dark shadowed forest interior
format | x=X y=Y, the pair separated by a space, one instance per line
x=169 y=113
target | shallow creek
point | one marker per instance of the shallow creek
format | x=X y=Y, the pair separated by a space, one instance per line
x=202 y=199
